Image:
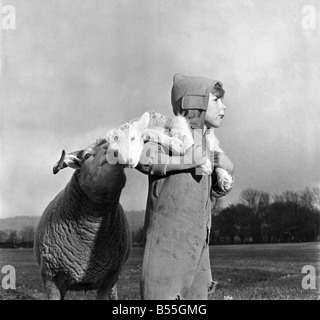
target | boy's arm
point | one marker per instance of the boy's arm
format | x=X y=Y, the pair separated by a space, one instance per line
x=220 y=160
x=154 y=160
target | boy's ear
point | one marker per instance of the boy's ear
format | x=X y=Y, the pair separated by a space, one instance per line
x=72 y=160
x=142 y=122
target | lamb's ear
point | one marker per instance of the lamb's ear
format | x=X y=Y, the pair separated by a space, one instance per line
x=110 y=134
x=142 y=122
x=72 y=160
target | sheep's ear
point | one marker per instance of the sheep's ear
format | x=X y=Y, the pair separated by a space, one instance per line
x=142 y=122
x=72 y=160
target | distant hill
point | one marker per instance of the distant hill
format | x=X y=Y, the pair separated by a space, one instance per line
x=18 y=222
x=135 y=218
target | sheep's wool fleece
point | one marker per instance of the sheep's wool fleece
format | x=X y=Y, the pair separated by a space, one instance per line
x=82 y=247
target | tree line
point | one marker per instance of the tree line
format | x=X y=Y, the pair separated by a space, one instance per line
x=13 y=237
x=257 y=217
x=260 y=217
x=25 y=237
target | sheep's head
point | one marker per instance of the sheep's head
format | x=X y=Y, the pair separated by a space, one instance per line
x=125 y=143
x=96 y=176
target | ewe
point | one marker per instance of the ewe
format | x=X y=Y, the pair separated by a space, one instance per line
x=83 y=237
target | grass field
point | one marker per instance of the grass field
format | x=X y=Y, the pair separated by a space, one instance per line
x=267 y=271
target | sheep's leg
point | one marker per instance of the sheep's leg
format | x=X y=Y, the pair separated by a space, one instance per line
x=108 y=289
x=113 y=293
x=107 y=294
x=52 y=289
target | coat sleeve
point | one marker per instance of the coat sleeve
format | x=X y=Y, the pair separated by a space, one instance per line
x=149 y=158
x=216 y=191
x=155 y=160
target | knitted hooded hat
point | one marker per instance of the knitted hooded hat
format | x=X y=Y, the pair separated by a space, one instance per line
x=191 y=92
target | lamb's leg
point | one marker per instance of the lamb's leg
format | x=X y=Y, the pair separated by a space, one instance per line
x=52 y=289
x=174 y=144
x=206 y=168
x=224 y=179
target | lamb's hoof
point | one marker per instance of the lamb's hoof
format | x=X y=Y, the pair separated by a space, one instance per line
x=224 y=179
x=206 y=167
x=225 y=187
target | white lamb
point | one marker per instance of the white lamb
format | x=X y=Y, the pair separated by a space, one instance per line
x=126 y=142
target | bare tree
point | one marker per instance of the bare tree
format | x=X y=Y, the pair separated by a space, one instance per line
x=242 y=217
x=11 y=235
x=310 y=200
x=291 y=216
x=27 y=233
x=3 y=236
x=258 y=202
x=250 y=198
x=316 y=198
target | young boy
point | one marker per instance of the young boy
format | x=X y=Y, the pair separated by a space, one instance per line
x=176 y=262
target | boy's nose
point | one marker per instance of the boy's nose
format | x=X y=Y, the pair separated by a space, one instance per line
x=223 y=106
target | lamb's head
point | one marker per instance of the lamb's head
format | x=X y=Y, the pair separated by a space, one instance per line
x=125 y=143
x=100 y=180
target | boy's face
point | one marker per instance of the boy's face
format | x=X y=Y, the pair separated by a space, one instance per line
x=215 y=112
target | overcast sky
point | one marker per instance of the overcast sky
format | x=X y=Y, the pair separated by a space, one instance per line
x=74 y=69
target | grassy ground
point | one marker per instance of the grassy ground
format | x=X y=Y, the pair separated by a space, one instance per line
x=267 y=271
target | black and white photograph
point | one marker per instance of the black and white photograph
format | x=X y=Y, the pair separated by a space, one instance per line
x=160 y=150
